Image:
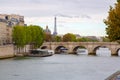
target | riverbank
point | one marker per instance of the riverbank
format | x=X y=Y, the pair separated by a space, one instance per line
x=9 y=51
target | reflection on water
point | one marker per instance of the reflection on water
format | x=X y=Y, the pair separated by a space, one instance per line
x=119 y=53
x=103 y=52
x=82 y=51
x=99 y=52
x=59 y=67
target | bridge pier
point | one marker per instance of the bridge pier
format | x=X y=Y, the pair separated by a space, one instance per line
x=91 y=51
x=114 y=54
x=114 y=51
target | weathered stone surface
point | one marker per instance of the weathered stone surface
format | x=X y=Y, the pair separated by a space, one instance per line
x=114 y=47
x=6 y=51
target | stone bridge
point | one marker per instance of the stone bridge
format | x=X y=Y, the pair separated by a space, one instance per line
x=90 y=46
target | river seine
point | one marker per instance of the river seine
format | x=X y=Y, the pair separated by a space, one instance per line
x=59 y=67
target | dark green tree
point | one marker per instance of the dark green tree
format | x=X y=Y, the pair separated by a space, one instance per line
x=85 y=39
x=36 y=34
x=58 y=39
x=69 y=37
x=113 y=23
x=19 y=37
x=105 y=39
x=23 y=35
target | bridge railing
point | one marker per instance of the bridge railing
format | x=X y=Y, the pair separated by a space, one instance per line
x=110 y=43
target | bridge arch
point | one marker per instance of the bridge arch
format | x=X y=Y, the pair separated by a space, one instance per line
x=77 y=47
x=97 y=47
x=90 y=46
x=44 y=47
x=118 y=52
x=58 y=49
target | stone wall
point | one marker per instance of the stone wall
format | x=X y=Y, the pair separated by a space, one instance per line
x=6 y=51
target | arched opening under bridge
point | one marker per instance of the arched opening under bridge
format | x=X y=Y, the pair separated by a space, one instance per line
x=118 y=52
x=61 y=49
x=102 y=51
x=44 y=47
x=80 y=50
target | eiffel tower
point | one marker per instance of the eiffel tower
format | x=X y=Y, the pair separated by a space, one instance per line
x=55 y=27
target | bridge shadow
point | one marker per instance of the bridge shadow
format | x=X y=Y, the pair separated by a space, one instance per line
x=78 y=49
x=102 y=51
x=61 y=50
x=44 y=47
x=117 y=52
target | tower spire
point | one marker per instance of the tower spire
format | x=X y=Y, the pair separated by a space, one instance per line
x=55 y=26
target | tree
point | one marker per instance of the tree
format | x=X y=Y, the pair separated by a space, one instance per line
x=23 y=35
x=69 y=37
x=19 y=37
x=48 y=37
x=105 y=39
x=85 y=39
x=58 y=39
x=28 y=36
x=113 y=23
x=36 y=35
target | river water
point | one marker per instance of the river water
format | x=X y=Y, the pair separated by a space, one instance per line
x=59 y=67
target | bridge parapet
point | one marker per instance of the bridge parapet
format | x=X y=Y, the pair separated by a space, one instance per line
x=104 y=43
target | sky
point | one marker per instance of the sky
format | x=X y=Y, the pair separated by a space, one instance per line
x=84 y=17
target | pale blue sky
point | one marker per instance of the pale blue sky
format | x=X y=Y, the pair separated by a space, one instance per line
x=84 y=17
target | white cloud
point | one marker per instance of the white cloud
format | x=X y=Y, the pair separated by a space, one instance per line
x=52 y=7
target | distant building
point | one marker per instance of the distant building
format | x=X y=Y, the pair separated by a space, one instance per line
x=92 y=37
x=6 y=24
x=47 y=30
x=77 y=36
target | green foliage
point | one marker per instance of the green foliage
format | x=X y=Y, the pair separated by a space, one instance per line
x=58 y=39
x=36 y=34
x=69 y=37
x=113 y=23
x=118 y=0
x=85 y=39
x=19 y=36
x=105 y=39
x=32 y=34
x=82 y=39
x=28 y=36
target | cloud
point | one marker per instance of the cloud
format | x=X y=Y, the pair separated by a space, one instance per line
x=86 y=16
x=74 y=12
x=51 y=7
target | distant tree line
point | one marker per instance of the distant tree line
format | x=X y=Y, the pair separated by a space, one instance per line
x=70 y=37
